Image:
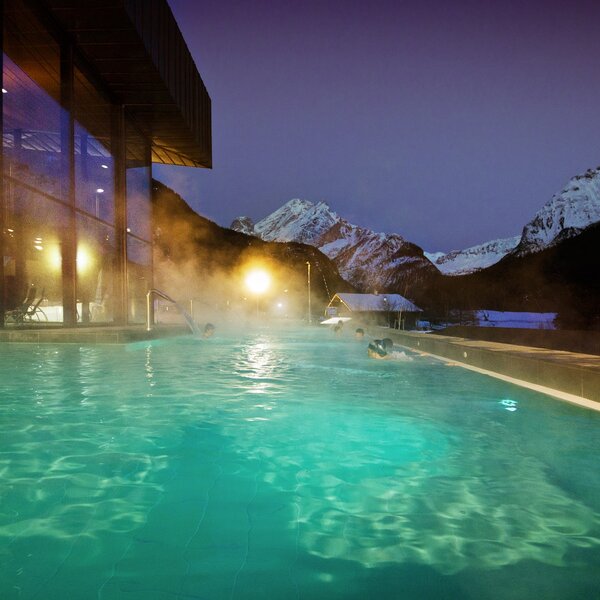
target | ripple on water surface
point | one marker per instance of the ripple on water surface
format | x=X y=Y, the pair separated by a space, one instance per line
x=266 y=454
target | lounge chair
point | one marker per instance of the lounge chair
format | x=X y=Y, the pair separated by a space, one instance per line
x=34 y=312
x=29 y=310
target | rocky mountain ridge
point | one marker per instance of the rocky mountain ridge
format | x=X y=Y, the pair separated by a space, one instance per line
x=475 y=258
x=358 y=251
x=368 y=260
x=565 y=215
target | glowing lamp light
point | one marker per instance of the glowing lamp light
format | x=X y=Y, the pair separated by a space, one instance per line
x=4 y=91
x=104 y=166
x=258 y=281
x=84 y=259
x=54 y=257
x=100 y=191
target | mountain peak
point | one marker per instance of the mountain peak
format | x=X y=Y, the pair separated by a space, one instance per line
x=297 y=221
x=369 y=260
x=566 y=214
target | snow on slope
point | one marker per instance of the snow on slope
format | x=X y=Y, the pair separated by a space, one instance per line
x=372 y=260
x=369 y=260
x=567 y=214
x=461 y=262
x=297 y=221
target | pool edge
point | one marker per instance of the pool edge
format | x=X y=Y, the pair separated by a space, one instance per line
x=571 y=377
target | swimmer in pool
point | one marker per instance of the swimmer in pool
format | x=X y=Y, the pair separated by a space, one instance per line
x=377 y=349
x=209 y=330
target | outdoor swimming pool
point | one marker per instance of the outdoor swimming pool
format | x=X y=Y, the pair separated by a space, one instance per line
x=287 y=465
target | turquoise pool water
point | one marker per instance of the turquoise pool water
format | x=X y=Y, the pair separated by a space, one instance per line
x=287 y=465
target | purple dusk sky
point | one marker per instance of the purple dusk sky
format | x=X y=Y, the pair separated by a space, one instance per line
x=450 y=122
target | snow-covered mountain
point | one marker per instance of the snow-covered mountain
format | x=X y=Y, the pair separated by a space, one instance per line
x=461 y=262
x=244 y=225
x=370 y=261
x=566 y=215
x=378 y=261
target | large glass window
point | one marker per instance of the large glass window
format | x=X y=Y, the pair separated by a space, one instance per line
x=35 y=215
x=59 y=206
x=138 y=173
x=94 y=196
x=94 y=166
x=139 y=277
x=96 y=260
x=139 y=223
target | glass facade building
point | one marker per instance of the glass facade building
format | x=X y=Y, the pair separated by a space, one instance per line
x=91 y=96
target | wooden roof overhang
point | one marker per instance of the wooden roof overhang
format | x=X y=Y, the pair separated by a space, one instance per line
x=136 y=49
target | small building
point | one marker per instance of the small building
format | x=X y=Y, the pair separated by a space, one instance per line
x=384 y=309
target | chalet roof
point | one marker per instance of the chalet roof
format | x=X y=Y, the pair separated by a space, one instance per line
x=376 y=303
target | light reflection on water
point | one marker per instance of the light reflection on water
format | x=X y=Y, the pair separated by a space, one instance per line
x=239 y=458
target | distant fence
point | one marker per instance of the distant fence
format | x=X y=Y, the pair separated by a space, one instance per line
x=587 y=342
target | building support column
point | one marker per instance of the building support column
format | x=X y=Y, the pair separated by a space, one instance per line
x=119 y=155
x=67 y=153
x=2 y=199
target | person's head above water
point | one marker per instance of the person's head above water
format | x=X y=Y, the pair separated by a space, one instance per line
x=359 y=333
x=209 y=330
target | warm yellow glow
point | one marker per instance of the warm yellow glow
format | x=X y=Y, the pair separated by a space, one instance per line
x=84 y=259
x=54 y=257
x=258 y=281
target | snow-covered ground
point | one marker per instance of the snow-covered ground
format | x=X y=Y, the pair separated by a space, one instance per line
x=520 y=320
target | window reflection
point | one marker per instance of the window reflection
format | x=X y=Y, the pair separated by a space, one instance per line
x=34 y=214
x=139 y=277
x=94 y=168
x=95 y=270
x=138 y=185
x=42 y=218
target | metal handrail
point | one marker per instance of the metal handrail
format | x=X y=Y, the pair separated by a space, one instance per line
x=149 y=307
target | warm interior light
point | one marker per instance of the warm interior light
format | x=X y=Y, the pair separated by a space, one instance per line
x=54 y=257
x=84 y=259
x=258 y=281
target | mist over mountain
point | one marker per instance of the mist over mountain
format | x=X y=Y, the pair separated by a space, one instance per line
x=553 y=266
x=196 y=258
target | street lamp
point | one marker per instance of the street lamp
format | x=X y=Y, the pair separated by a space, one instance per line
x=308 y=282
x=98 y=191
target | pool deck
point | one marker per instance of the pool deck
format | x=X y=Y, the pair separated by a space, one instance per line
x=89 y=335
x=569 y=376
